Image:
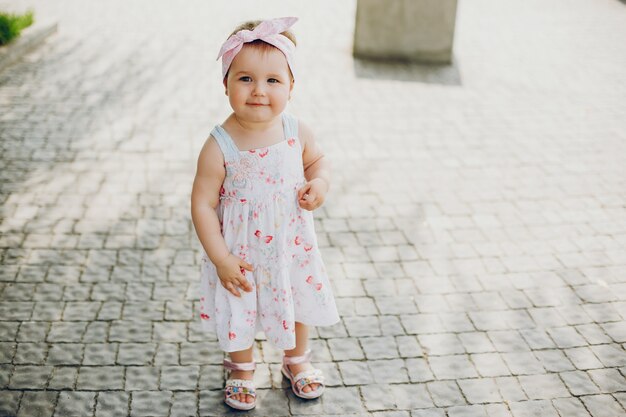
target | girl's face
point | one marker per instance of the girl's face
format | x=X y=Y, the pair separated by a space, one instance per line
x=258 y=84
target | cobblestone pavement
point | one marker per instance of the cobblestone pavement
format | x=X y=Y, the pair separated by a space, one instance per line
x=475 y=232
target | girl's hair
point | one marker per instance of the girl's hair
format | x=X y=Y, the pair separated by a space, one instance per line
x=251 y=24
x=262 y=46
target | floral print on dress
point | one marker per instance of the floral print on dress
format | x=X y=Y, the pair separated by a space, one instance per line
x=263 y=224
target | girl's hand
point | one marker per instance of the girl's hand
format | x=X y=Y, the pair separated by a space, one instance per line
x=231 y=271
x=312 y=194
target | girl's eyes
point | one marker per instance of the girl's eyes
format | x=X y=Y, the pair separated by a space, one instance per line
x=247 y=79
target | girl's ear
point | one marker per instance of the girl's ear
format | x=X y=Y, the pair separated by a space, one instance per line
x=291 y=87
x=225 y=81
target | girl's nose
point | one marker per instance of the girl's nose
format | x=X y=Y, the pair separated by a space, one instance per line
x=259 y=89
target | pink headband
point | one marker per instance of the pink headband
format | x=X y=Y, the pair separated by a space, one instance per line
x=267 y=31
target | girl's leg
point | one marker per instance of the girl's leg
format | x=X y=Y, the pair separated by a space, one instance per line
x=242 y=356
x=302 y=341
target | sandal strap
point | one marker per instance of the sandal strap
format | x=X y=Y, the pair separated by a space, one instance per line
x=296 y=360
x=239 y=386
x=304 y=378
x=239 y=366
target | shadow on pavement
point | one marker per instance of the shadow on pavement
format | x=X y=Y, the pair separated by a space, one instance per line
x=408 y=72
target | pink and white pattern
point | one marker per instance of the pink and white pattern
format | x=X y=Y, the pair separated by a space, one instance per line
x=263 y=224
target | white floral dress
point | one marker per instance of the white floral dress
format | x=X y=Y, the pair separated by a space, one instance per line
x=263 y=224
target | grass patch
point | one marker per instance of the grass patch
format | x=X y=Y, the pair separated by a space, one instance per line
x=12 y=24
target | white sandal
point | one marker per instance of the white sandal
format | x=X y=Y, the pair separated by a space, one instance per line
x=304 y=378
x=239 y=386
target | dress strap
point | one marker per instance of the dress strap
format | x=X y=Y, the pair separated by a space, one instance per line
x=290 y=124
x=225 y=143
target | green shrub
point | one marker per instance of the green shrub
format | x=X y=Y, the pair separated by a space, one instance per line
x=12 y=24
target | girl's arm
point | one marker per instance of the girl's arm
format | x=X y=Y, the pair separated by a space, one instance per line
x=316 y=171
x=205 y=197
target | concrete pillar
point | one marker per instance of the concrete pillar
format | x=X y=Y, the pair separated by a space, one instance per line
x=407 y=30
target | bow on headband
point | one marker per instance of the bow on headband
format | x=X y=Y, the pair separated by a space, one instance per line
x=267 y=31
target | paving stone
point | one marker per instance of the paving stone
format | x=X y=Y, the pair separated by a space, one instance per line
x=441 y=344
x=418 y=370
x=67 y=331
x=508 y=341
x=200 y=353
x=65 y=354
x=445 y=393
x=396 y=305
x=421 y=323
x=593 y=334
x=81 y=310
x=467 y=411
x=136 y=353
x=100 y=378
x=8 y=330
x=498 y=410
x=616 y=330
x=179 y=377
x=150 y=403
x=170 y=331
x=7 y=351
x=130 y=331
x=566 y=337
x=411 y=396
x=602 y=405
x=539 y=387
x=521 y=363
x=184 y=404
x=142 y=378
x=480 y=391
x=337 y=330
x=112 y=403
x=510 y=389
x=342 y=400
x=110 y=310
x=211 y=403
x=97 y=332
x=391 y=326
x=428 y=412
x=75 y=403
x=30 y=376
x=355 y=373
x=610 y=355
x=579 y=383
x=9 y=401
x=609 y=380
x=38 y=403
x=476 y=342
x=100 y=353
x=30 y=353
x=7 y=370
x=409 y=347
x=379 y=347
x=388 y=371
x=33 y=331
x=167 y=354
x=452 y=367
x=345 y=349
x=63 y=378
x=554 y=360
x=533 y=408
x=583 y=358
x=211 y=377
x=570 y=407
x=377 y=397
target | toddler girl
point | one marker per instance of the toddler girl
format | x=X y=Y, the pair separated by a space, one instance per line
x=259 y=176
